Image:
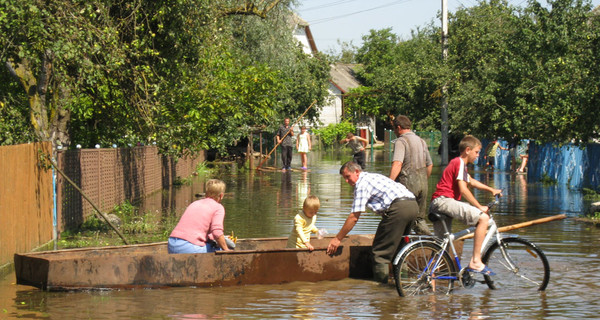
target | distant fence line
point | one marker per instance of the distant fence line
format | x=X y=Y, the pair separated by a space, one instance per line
x=577 y=167
x=107 y=176
x=431 y=138
x=568 y=164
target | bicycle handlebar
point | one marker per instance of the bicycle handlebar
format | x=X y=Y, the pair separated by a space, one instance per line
x=493 y=203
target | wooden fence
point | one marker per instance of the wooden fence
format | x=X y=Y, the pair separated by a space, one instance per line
x=26 y=199
x=107 y=176
x=111 y=176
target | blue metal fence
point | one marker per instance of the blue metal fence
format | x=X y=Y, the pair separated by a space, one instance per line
x=574 y=166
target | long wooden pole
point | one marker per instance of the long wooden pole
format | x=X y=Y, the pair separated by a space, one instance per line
x=88 y=200
x=521 y=225
x=285 y=135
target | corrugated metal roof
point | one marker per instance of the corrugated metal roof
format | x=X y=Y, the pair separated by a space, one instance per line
x=342 y=76
x=295 y=20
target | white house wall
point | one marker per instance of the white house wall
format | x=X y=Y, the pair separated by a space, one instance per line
x=332 y=112
x=300 y=34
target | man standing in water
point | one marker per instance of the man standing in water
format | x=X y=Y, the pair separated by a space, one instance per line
x=392 y=201
x=287 y=146
x=411 y=166
x=357 y=144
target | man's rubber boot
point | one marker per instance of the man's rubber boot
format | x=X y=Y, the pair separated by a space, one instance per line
x=420 y=227
x=381 y=272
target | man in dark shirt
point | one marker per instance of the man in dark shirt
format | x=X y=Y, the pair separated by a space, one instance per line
x=287 y=146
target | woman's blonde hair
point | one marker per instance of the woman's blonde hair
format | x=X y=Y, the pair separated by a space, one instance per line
x=213 y=188
x=311 y=203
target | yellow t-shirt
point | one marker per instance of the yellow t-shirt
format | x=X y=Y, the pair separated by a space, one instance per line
x=492 y=149
x=303 y=226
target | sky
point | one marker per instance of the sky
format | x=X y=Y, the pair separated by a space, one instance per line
x=349 y=20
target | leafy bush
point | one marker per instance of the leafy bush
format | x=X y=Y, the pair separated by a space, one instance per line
x=547 y=180
x=334 y=132
x=137 y=228
x=590 y=194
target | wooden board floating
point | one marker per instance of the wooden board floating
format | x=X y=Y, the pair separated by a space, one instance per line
x=522 y=225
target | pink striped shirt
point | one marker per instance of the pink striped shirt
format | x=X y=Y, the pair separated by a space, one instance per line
x=202 y=220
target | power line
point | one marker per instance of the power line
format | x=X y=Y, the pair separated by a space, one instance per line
x=317 y=21
x=332 y=4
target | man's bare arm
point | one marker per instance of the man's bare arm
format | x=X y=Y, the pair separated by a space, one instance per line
x=468 y=195
x=395 y=170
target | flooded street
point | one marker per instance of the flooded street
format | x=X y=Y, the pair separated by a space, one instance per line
x=263 y=204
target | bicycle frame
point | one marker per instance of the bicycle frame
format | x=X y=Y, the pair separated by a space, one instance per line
x=448 y=242
x=430 y=263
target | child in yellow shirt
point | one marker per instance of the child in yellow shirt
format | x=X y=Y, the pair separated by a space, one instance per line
x=304 y=224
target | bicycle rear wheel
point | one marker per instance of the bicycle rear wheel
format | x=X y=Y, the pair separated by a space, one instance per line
x=531 y=270
x=418 y=273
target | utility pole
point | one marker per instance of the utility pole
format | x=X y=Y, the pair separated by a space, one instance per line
x=444 y=105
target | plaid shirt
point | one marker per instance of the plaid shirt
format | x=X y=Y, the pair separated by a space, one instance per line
x=377 y=192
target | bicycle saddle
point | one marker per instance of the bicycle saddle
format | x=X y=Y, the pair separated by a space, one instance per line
x=435 y=216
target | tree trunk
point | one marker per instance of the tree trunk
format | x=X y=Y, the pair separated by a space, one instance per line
x=47 y=115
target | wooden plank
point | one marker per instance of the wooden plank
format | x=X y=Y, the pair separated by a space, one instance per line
x=522 y=225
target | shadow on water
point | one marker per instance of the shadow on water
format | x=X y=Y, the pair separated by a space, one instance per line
x=262 y=204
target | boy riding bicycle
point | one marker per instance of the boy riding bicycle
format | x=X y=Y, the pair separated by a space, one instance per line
x=453 y=184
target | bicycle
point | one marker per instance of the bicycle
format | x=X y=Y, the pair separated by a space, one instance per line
x=424 y=265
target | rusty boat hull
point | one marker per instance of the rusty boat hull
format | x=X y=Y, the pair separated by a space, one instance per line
x=254 y=261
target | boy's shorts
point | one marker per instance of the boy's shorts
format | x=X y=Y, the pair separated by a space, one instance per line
x=452 y=208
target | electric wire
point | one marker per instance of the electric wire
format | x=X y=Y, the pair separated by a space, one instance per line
x=327 y=5
x=317 y=21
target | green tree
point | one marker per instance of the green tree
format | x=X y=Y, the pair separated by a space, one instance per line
x=561 y=92
x=484 y=54
x=401 y=77
x=524 y=72
x=527 y=71
x=185 y=75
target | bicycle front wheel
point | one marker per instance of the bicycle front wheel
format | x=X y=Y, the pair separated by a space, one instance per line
x=424 y=268
x=524 y=267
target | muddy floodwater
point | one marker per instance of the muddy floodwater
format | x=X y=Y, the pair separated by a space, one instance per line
x=262 y=204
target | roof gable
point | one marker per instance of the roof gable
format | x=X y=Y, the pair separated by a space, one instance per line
x=342 y=76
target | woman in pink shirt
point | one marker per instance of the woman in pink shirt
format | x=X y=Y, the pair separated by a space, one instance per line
x=201 y=225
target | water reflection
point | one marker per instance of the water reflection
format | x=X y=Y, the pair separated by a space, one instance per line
x=303 y=188
x=262 y=204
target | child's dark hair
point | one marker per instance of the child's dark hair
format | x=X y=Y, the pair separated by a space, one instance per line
x=402 y=122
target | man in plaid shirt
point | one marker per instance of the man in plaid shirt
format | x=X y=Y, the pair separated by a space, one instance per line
x=392 y=201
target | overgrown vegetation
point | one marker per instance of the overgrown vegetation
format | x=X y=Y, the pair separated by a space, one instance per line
x=547 y=180
x=334 y=132
x=590 y=194
x=137 y=227
x=184 y=75
x=202 y=169
x=527 y=71
x=191 y=75
x=594 y=216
